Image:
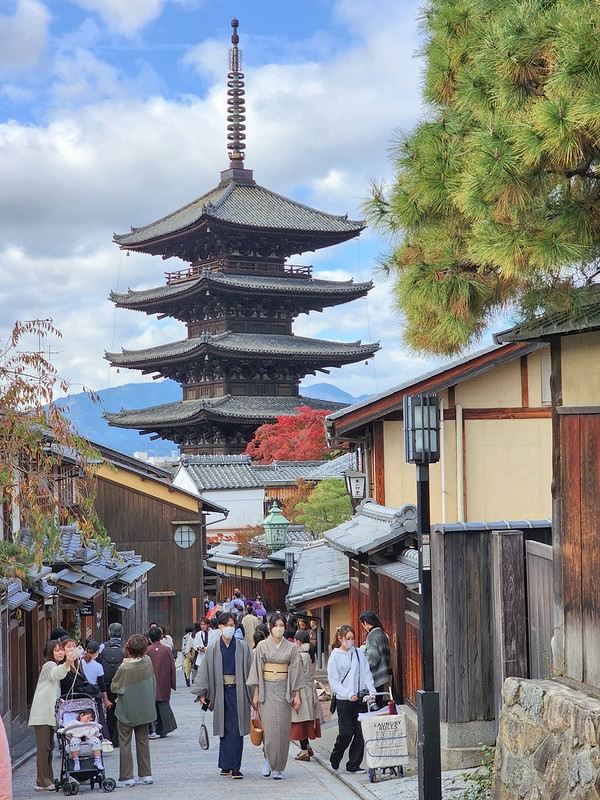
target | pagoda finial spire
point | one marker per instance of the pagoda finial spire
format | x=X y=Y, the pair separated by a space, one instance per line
x=236 y=110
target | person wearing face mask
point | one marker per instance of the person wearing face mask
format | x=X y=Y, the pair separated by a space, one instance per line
x=221 y=685
x=349 y=675
x=277 y=677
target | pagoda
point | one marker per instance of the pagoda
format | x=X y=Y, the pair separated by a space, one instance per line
x=240 y=365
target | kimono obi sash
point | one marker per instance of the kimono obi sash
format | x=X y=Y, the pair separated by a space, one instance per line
x=229 y=680
x=275 y=672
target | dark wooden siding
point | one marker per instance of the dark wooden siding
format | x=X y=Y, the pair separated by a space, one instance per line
x=462 y=623
x=391 y=609
x=142 y=523
x=580 y=490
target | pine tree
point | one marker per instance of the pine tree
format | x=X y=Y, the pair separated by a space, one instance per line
x=328 y=505
x=495 y=201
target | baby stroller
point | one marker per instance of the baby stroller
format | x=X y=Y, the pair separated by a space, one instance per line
x=67 y=710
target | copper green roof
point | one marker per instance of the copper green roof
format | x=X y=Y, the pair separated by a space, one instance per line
x=249 y=345
x=250 y=410
x=246 y=205
x=333 y=292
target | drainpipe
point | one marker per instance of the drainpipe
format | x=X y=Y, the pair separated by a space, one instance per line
x=460 y=500
x=443 y=462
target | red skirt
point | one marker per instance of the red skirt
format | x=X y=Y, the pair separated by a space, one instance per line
x=305 y=730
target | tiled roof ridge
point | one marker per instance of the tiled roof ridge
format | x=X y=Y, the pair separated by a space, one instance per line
x=234 y=342
x=217 y=189
x=255 y=281
x=341 y=217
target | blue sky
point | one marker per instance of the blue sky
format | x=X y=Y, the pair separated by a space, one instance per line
x=112 y=114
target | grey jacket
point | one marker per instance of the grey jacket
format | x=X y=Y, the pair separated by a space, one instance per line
x=209 y=682
x=377 y=651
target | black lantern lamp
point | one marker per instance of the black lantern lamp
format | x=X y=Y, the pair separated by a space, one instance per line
x=422 y=429
x=422 y=448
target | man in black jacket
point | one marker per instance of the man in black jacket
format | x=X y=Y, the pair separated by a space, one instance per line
x=111 y=656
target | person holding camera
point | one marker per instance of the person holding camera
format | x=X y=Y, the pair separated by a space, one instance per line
x=352 y=685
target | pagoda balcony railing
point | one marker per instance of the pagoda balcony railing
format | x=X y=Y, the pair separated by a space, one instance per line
x=240 y=268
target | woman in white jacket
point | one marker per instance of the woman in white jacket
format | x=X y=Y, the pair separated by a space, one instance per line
x=349 y=676
x=42 y=716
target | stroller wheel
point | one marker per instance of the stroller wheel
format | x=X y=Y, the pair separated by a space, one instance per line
x=108 y=784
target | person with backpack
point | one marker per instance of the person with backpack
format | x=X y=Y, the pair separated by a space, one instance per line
x=111 y=657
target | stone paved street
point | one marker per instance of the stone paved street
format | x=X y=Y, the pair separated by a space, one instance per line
x=181 y=769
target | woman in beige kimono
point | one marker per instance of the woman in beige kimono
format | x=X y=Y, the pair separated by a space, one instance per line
x=278 y=677
x=306 y=722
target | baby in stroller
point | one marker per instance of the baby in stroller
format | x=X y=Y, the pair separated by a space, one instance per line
x=84 y=729
x=79 y=735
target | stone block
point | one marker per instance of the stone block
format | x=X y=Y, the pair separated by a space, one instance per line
x=587 y=769
x=511 y=733
x=556 y=779
x=533 y=735
x=547 y=750
x=590 y=729
x=531 y=700
x=557 y=713
x=511 y=691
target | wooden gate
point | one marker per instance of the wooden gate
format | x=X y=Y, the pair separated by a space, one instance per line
x=540 y=607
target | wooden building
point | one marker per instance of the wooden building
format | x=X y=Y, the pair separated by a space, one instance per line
x=496 y=464
x=246 y=489
x=319 y=587
x=144 y=511
x=80 y=587
x=574 y=346
x=251 y=575
x=240 y=365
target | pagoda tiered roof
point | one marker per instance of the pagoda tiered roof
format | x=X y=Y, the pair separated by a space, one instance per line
x=245 y=410
x=305 y=293
x=252 y=346
x=239 y=208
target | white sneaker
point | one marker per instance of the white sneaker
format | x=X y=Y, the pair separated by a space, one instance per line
x=356 y=771
x=126 y=784
x=147 y=779
x=266 y=770
x=153 y=736
x=277 y=776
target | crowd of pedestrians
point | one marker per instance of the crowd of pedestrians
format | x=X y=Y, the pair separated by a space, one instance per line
x=239 y=664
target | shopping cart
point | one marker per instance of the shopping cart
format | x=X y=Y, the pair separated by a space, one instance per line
x=386 y=748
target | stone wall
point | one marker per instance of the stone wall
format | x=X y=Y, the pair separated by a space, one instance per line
x=547 y=745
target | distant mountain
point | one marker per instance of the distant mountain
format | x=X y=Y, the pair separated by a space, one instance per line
x=327 y=391
x=86 y=415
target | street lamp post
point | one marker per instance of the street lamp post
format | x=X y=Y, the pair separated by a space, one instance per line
x=422 y=448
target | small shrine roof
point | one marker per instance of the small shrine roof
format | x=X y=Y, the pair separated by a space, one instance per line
x=253 y=345
x=321 y=570
x=373 y=527
x=247 y=205
x=253 y=410
x=275 y=285
x=211 y=472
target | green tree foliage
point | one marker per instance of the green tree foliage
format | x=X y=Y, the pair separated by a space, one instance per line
x=327 y=506
x=495 y=202
x=39 y=451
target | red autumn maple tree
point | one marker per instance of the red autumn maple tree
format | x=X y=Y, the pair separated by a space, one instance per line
x=297 y=437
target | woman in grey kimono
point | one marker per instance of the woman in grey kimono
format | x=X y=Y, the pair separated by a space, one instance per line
x=221 y=683
x=277 y=677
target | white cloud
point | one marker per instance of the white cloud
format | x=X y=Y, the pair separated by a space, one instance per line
x=111 y=157
x=124 y=16
x=23 y=37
